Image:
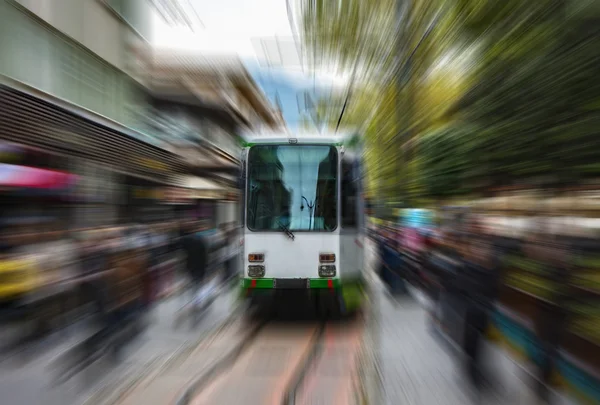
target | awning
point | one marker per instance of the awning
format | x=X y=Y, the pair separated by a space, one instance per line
x=16 y=176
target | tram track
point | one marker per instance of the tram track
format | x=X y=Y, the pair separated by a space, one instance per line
x=260 y=371
x=331 y=375
x=276 y=356
x=284 y=365
x=220 y=366
x=296 y=384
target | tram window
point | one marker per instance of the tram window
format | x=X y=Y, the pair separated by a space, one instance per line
x=293 y=186
x=349 y=195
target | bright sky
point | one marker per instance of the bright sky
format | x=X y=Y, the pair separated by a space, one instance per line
x=229 y=28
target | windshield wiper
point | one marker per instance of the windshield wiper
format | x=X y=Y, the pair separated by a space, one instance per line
x=281 y=225
x=286 y=230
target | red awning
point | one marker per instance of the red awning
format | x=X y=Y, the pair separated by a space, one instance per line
x=15 y=176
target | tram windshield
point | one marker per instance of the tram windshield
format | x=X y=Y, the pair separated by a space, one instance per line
x=292 y=185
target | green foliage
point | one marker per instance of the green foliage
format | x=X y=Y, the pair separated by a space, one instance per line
x=517 y=97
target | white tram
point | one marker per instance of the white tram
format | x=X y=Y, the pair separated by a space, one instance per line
x=303 y=221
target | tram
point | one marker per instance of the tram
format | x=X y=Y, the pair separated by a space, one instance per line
x=303 y=222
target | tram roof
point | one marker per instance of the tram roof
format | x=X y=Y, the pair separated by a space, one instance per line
x=283 y=138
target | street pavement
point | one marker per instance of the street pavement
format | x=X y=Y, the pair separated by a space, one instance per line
x=31 y=382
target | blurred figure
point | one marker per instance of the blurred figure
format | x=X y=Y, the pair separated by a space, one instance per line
x=195 y=247
x=63 y=252
x=392 y=265
x=220 y=251
x=232 y=253
x=552 y=253
x=381 y=252
x=152 y=274
x=17 y=258
x=479 y=282
x=445 y=264
x=128 y=284
x=92 y=263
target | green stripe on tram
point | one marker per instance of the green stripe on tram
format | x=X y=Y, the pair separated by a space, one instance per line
x=266 y=283
x=260 y=282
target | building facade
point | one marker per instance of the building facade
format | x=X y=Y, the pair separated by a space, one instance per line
x=79 y=80
x=202 y=106
x=78 y=51
x=69 y=86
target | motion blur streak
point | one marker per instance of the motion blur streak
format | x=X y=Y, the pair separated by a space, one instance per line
x=451 y=168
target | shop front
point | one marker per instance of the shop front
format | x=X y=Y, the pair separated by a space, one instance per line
x=32 y=184
x=193 y=205
x=111 y=159
x=206 y=211
x=201 y=198
x=145 y=202
x=181 y=203
x=98 y=196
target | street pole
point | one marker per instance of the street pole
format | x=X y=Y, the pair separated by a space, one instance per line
x=348 y=95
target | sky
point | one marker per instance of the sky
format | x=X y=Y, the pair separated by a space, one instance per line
x=230 y=27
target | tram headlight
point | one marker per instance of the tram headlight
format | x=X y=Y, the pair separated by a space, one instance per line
x=256 y=257
x=327 y=258
x=256 y=271
x=327 y=270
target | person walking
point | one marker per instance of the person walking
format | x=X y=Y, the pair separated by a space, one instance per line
x=479 y=280
x=231 y=254
x=553 y=254
x=195 y=247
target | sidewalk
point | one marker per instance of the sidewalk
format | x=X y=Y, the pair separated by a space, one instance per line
x=33 y=383
x=166 y=380
x=420 y=367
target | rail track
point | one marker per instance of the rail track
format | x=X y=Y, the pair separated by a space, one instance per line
x=284 y=364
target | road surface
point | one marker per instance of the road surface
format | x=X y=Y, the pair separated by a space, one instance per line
x=31 y=381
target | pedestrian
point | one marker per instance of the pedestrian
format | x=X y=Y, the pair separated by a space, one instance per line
x=230 y=255
x=553 y=254
x=383 y=271
x=93 y=261
x=478 y=280
x=195 y=247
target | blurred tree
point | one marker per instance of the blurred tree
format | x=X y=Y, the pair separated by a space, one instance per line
x=491 y=93
x=535 y=97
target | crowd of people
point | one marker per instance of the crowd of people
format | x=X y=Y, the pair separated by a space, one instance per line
x=51 y=277
x=461 y=268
